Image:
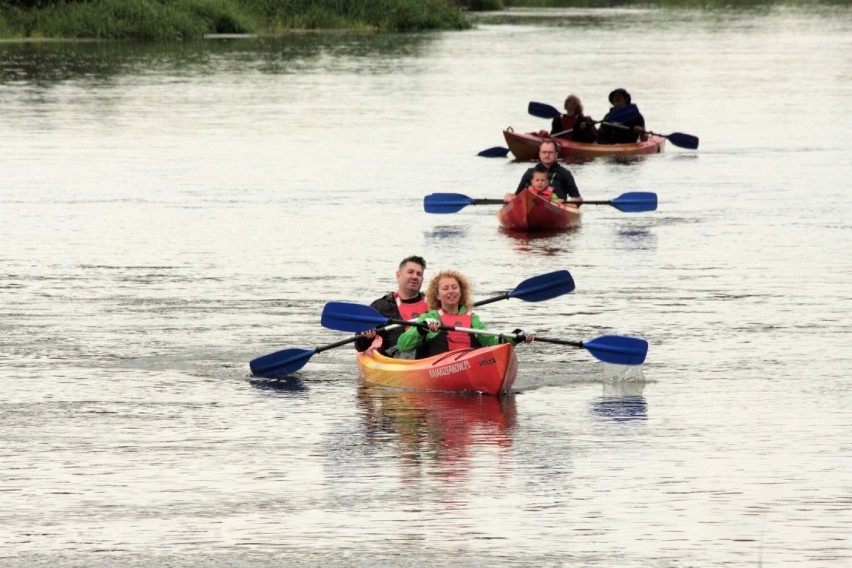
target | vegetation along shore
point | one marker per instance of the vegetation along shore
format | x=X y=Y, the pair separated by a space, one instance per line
x=169 y=20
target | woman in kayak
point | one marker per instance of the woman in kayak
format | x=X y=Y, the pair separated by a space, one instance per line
x=580 y=127
x=449 y=299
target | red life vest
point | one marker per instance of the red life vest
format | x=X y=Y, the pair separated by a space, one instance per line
x=547 y=193
x=457 y=339
x=410 y=310
x=567 y=122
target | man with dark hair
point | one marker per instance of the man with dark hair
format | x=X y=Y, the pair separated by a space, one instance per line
x=406 y=303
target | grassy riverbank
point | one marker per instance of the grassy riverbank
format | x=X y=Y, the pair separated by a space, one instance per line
x=191 y=19
x=168 y=20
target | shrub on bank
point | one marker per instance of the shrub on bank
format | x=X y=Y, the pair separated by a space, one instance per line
x=130 y=19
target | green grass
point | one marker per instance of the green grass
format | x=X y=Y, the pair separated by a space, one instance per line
x=166 y=20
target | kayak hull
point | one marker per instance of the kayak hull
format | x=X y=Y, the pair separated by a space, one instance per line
x=487 y=370
x=529 y=212
x=525 y=147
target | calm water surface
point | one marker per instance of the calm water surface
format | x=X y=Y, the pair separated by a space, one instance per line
x=171 y=212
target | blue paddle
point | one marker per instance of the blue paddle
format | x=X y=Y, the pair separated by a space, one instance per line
x=535 y=289
x=679 y=139
x=288 y=361
x=617 y=349
x=631 y=202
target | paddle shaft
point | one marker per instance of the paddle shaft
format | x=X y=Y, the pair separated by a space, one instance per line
x=680 y=139
x=608 y=348
x=474 y=331
x=468 y=330
x=595 y=350
x=570 y=130
x=491 y=201
x=560 y=341
x=398 y=322
x=615 y=118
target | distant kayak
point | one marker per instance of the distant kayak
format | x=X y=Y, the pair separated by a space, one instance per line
x=488 y=370
x=525 y=146
x=528 y=211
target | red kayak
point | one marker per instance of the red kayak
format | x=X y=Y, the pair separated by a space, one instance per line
x=487 y=370
x=529 y=211
x=525 y=146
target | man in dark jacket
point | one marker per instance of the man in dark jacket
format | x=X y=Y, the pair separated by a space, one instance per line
x=406 y=303
x=626 y=132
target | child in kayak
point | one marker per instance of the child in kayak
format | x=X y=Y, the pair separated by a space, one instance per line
x=538 y=184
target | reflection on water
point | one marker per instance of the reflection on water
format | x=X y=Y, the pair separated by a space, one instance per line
x=45 y=64
x=285 y=384
x=443 y=233
x=545 y=243
x=622 y=402
x=636 y=237
x=434 y=430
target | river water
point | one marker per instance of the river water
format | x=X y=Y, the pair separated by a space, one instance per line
x=169 y=212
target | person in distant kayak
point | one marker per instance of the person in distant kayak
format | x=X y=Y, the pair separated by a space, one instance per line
x=574 y=124
x=630 y=131
x=449 y=299
x=407 y=303
x=558 y=177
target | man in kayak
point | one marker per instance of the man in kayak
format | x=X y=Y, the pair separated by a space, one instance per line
x=449 y=298
x=628 y=132
x=559 y=178
x=407 y=303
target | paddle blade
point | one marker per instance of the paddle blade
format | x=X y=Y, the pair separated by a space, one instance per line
x=542 y=110
x=445 y=202
x=280 y=363
x=635 y=201
x=544 y=287
x=624 y=114
x=618 y=349
x=494 y=152
x=682 y=140
x=345 y=316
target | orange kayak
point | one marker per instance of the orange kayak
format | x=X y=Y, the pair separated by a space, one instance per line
x=529 y=211
x=525 y=147
x=487 y=370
